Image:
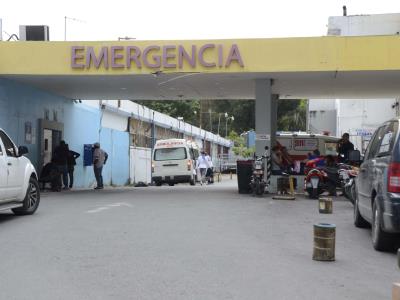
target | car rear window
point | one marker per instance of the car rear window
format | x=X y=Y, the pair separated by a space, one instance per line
x=170 y=154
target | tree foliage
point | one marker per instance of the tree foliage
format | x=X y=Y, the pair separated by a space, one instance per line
x=210 y=114
x=239 y=146
x=292 y=115
x=176 y=108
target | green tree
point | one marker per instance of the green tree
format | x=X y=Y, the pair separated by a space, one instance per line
x=239 y=147
x=292 y=115
x=176 y=108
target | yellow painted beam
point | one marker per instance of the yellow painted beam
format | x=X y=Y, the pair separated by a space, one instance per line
x=258 y=55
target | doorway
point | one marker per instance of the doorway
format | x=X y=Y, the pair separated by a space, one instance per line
x=52 y=139
x=51 y=133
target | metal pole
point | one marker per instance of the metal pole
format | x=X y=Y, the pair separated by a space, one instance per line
x=226 y=127
x=219 y=121
x=65 y=28
x=210 y=112
x=201 y=113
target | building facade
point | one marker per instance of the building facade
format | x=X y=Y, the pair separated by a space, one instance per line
x=125 y=130
x=358 y=117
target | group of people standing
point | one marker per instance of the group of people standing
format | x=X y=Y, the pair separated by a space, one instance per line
x=59 y=172
x=205 y=168
x=65 y=160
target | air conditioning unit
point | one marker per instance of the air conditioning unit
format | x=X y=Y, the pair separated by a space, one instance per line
x=34 y=33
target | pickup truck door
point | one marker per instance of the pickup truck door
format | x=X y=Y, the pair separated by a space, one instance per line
x=3 y=173
x=15 y=168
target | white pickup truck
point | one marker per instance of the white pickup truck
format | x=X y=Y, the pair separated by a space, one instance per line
x=19 y=188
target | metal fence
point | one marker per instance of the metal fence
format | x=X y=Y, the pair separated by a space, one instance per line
x=226 y=163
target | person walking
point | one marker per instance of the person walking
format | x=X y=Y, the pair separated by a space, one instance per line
x=210 y=170
x=71 y=162
x=60 y=158
x=99 y=160
x=202 y=166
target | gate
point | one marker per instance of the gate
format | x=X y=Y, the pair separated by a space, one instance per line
x=140 y=165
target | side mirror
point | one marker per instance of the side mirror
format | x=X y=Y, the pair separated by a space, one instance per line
x=354 y=155
x=22 y=150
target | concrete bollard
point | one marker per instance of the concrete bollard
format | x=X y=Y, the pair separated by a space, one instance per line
x=324 y=242
x=325 y=205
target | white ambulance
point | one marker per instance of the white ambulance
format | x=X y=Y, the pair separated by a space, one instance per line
x=174 y=161
x=298 y=145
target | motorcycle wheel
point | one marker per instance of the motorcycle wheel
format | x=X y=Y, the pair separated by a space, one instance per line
x=352 y=193
x=314 y=193
x=254 y=185
x=260 y=189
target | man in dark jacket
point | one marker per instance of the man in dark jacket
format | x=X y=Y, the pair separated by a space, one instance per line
x=71 y=162
x=344 y=146
x=60 y=158
x=99 y=160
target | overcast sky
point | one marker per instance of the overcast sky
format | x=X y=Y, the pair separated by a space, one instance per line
x=183 y=19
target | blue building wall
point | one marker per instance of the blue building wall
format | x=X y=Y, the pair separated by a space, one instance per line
x=81 y=126
x=116 y=144
x=250 y=138
x=20 y=103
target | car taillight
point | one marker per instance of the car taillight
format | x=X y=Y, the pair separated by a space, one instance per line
x=394 y=178
x=152 y=167
x=189 y=165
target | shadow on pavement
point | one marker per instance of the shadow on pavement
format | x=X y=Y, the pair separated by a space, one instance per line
x=4 y=217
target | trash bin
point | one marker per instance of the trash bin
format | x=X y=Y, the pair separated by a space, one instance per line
x=244 y=171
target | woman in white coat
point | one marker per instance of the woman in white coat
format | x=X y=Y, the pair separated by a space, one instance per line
x=202 y=166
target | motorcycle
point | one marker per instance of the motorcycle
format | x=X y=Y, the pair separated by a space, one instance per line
x=320 y=179
x=258 y=182
x=348 y=178
x=315 y=182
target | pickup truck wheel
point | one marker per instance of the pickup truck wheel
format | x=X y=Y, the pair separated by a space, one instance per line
x=31 y=201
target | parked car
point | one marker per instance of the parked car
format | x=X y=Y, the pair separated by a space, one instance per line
x=19 y=188
x=377 y=200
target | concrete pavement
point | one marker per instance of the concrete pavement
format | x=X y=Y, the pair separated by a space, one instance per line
x=183 y=242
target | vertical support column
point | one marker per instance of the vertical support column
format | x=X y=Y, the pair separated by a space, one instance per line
x=264 y=119
x=274 y=118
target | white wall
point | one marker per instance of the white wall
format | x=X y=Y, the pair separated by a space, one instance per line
x=322 y=104
x=364 y=113
x=322 y=120
x=114 y=121
x=380 y=24
x=142 y=112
